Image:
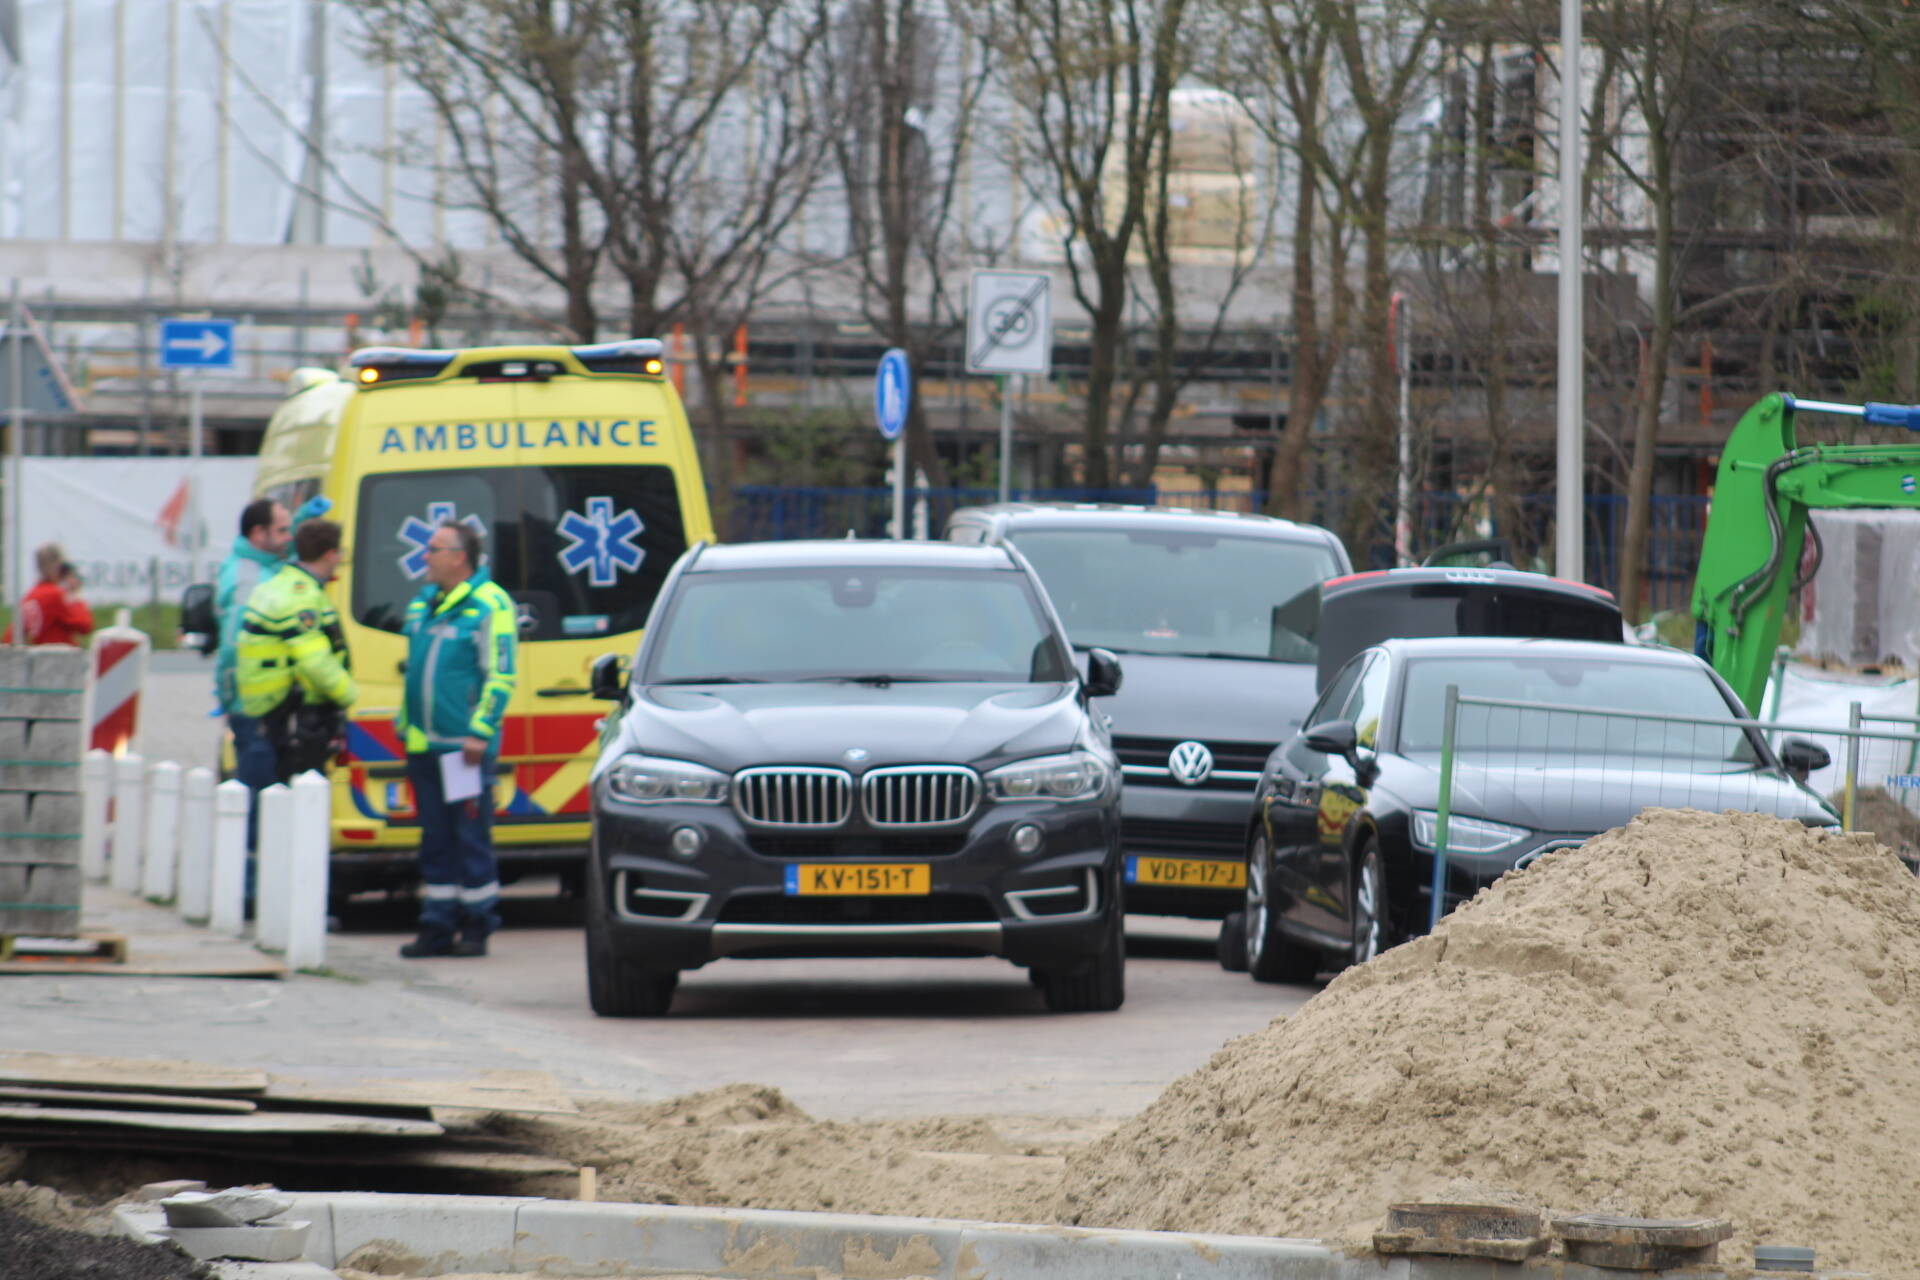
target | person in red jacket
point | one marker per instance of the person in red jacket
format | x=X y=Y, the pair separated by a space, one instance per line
x=53 y=612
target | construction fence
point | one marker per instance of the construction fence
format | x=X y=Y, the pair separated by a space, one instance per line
x=1558 y=773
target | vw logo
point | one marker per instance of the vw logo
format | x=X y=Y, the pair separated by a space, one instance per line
x=854 y=755
x=1190 y=763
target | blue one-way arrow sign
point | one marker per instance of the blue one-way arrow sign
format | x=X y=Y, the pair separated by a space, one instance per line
x=196 y=344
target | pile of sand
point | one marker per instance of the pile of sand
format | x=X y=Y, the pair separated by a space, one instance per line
x=748 y=1146
x=1690 y=1015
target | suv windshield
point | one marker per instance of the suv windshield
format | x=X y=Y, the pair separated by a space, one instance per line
x=1585 y=684
x=583 y=550
x=856 y=624
x=1178 y=592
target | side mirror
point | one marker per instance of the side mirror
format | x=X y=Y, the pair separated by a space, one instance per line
x=199 y=628
x=1802 y=757
x=1103 y=673
x=606 y=681
x=1334 y=738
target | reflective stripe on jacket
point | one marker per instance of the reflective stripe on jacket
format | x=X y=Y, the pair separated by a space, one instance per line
x=290 y=632
x=462 y=659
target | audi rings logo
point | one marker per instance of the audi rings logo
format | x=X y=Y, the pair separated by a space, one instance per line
x=1190 y=763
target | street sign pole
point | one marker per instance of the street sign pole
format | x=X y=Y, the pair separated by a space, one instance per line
x=1008 y=385
x=1010 y=333
x=900 y=487
x=193 y=485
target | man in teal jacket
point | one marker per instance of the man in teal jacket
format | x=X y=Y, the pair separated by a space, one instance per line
x=258 y=553
x=266 y=531
x=462 y=642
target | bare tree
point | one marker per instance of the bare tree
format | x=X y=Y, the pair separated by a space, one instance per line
x=1092 y=79
x=1284 y=76
x=904 y=86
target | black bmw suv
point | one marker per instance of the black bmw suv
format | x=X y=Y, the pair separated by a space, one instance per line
x=854 y=749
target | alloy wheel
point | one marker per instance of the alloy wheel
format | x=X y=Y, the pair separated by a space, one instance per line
x=1256 y=898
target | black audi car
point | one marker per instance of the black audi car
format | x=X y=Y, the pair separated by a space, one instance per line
x=854 y=749
x=1341 y=848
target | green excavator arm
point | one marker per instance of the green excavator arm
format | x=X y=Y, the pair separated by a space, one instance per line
x=1757 y=527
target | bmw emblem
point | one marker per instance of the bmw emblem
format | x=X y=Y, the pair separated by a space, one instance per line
x=1190 y=763
x=854 y=755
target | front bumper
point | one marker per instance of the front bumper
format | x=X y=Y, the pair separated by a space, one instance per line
x=1194 y=825
x=732 y=898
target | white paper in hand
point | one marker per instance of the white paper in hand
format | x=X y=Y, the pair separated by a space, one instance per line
x=458 y=779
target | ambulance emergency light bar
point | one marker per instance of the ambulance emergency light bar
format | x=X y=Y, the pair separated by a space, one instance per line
x=376 y=366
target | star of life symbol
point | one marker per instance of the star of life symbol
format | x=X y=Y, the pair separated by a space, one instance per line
x=415 y=532
x=601 y=542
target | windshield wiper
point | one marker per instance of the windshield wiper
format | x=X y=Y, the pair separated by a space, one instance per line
x=879 y=680
x=1217 y=653
x=1080 y=646
x=713 y=680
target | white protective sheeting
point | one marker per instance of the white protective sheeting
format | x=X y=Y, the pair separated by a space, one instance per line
x=188 y=120
x=1861 y=609
x=121 y=519
x=1813 y=697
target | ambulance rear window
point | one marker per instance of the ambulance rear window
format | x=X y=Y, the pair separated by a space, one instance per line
x=582 y=550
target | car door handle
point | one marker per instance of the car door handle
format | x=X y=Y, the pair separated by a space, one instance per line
x=563 y=691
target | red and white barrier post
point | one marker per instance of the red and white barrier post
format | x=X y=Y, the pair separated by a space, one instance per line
x=117 y=671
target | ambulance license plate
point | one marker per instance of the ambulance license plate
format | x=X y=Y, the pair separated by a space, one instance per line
x=859 y=880
x=1188 y=873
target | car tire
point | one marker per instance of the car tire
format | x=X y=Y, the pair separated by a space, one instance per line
x=616 y=986
x=1095 y=985
x=1271 y=955
x=1231 y=947
x=1372 y=932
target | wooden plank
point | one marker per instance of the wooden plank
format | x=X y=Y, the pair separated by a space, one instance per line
x=139 y=1075
x=39 y=954
x=112 y=1098
x=260 y=1122
x=146 y=964
x=535 y=1092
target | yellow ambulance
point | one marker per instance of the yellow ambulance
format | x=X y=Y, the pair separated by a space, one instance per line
x=577 y=465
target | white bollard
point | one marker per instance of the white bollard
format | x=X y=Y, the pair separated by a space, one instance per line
x=96 y=802
x=307 y=872
x=158 y=868
x=129 y=821
x=230 y=801
x=196 y=846
x=270 y=887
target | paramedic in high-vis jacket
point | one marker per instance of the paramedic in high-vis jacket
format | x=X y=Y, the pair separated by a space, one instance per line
x=290 y=657
x=461 y=662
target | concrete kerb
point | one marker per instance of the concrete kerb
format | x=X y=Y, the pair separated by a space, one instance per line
x=513 y=1235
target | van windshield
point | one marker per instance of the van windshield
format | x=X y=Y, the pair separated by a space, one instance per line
x=1178 y=592
x=583 y=550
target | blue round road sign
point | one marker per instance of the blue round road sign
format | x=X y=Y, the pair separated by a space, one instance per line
x=892 y=392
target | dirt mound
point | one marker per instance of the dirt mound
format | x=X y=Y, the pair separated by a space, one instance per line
x=748 y=1146
x=31 y=1250
x=1893 y=824
x=1693 y=1014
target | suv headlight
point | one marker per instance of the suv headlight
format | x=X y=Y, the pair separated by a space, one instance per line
x=1077 y=775
x=1465 y=835
x=639 y=779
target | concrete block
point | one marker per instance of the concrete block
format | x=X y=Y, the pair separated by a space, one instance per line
x=436 y=1234
x=40 y=898
x=44 y=682
x=996 y=1251
x=39 y=826
x=48 y=740
x=268 y=1242
x=18 y=773
x=273 y=1271
x=567 y=1238
x=161 y=1190
x=233 y=1207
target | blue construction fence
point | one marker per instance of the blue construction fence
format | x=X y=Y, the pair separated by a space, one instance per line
x=761 y=513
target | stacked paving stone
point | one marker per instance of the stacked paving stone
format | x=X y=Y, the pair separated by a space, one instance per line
x=42 y=702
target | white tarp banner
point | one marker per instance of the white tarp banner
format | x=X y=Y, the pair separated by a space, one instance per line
x=124 y=520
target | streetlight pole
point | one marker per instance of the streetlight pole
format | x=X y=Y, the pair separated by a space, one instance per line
x=1570 y=471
